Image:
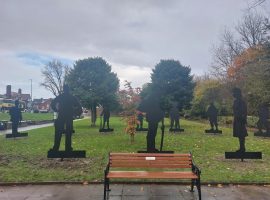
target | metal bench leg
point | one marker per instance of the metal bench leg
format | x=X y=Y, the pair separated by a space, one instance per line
x=104 y=195
x=105 y=186
x=198 y=184
x=108 y=185
x=192 y=185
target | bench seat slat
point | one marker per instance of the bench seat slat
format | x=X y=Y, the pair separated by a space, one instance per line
x=156 y=158
x=133 y=164
x=149 y=154
x=150 y=166
x=152 y=175
x=153 y=161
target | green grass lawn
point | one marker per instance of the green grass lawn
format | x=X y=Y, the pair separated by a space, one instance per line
x=228 y=121
x=24 y=160
x=29 y=116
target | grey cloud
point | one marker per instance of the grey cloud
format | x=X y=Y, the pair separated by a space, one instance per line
x=124 y=32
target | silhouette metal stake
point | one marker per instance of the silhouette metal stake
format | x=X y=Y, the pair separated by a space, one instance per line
x=67 y=107
x=239 y=129
x=15 y=118
x=212 y=114
x=162 y=138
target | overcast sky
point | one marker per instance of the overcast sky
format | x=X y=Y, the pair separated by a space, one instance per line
x=131 y=35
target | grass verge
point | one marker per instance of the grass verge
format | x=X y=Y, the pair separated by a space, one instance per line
x=24 y=160
x=29 y=116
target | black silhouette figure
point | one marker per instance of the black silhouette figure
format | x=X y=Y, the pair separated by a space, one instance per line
x=240 y=118
x=15 y=118
x=106 y=120
x=67 y=106
x=140 y=118
x=106 y=117
x=175 y=118
x=154 y=114
x=239 y=128
x=212 y=113
x=263 y=122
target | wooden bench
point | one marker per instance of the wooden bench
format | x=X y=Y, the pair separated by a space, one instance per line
x=159 y=167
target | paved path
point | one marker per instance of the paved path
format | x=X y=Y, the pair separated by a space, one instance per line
x=31 y=127
x=132 y=192
x=26 y=128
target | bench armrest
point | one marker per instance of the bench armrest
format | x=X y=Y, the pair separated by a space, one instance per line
x=195 y=169
x=107 y=169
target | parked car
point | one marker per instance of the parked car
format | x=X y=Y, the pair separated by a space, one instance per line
x=3 y=125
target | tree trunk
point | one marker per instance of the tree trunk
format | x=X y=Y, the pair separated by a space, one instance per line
x=93 y=115
x=132 y=138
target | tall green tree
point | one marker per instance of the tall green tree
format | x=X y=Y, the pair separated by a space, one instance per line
x=256 y=79
x=93 y=82
x=209 y=90
x=174 y=82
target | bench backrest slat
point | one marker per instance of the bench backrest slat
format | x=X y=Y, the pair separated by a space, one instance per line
x=147 y=160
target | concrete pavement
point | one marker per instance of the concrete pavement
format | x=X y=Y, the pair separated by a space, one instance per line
x=26 y=128
x=132 y=192
x=32 y=127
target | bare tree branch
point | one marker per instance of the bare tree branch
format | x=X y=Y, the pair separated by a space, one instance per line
x=54 y=74
x=252 y=29
x=255 y=4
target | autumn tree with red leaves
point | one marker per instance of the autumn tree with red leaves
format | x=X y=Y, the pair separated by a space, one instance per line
x=129 y=99
x=235 y=71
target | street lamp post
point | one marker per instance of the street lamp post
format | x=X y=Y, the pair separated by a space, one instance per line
x=31 y=103
x=31 y=90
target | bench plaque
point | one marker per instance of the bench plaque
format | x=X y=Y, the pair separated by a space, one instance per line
x=150 y=158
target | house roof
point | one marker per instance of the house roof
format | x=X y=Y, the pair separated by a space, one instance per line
x=23 y=97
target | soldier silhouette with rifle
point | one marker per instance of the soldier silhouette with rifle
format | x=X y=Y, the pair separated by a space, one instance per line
x=151 y=105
